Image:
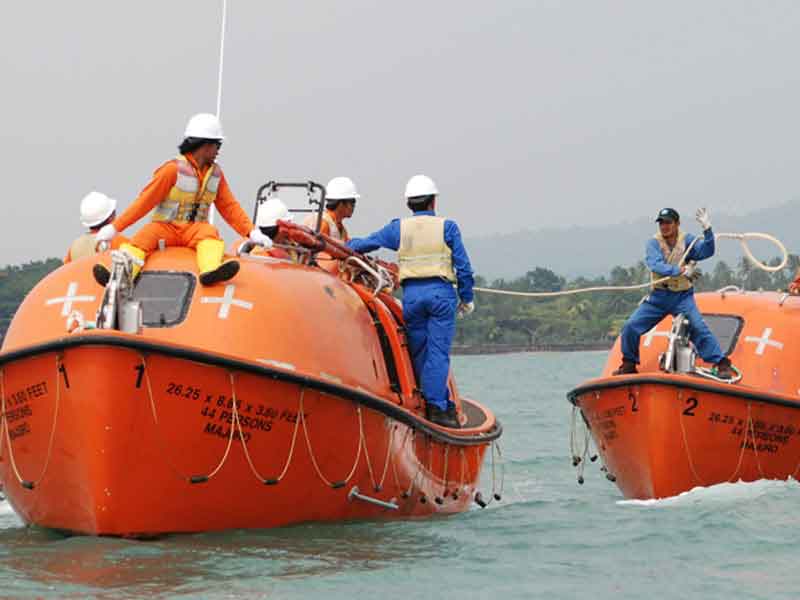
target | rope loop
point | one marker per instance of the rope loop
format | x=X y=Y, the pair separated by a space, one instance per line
x=742 y=237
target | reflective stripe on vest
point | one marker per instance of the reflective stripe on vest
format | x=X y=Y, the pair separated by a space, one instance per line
x=86 y=245
x=423 y=251
x=333 y=229
x=673 y=256
x=190 y=199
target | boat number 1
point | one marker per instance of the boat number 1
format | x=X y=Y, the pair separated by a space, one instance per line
x=691 y=404
x=632 y=398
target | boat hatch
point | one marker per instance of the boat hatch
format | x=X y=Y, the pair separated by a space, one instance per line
x=165 y=297
x=726 y=328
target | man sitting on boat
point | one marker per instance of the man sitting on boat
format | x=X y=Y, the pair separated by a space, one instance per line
x=672 y=291
x=97 y=210
x=269 y=213
x=182 y=192
x=432 y=259
x=340 y=202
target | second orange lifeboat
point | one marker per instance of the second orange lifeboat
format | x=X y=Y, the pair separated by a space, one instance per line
x=660 y=433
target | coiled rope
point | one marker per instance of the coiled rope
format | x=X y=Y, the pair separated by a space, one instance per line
x=742 y=237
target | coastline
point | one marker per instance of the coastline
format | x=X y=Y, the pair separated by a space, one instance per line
x=458 y=349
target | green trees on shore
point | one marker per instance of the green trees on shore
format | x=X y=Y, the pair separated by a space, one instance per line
x=583 y=320
x=16 y=282
x=508 y=322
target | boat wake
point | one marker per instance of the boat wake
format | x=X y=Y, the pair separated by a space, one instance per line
x=721 y=493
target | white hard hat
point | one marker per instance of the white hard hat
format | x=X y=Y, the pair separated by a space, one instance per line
x=420 y=185
x=96 y=208
x=205 y=126
x=271 y=212
x=341 y=188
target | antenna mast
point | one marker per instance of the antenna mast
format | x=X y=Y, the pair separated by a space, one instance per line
x=212 y=212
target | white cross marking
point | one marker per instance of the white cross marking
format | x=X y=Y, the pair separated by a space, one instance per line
x=652 y=333
x=70 y=297
x=764 y=341
x=226 y=301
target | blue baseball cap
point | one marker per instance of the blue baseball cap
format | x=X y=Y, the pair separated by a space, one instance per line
x=668 y=214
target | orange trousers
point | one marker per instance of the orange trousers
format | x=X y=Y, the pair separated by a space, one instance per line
x=173 y=234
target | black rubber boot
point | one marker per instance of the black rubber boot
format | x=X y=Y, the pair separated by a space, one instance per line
x=101 y=274
x=445 y=418
x=628 y=367
x=224 y=272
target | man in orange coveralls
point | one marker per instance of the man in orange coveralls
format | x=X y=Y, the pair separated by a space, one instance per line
x=340 y=202
x=181 y=192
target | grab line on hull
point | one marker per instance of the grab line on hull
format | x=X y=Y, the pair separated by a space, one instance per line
x=261 y=478
x=168 y=459
x=27 y=483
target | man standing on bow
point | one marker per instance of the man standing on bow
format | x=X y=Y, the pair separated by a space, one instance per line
x=182 y=192
x=675 y=294
x=432 y=260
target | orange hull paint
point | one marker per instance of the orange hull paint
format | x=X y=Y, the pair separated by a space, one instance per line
x=137 y=435
x=661 y=434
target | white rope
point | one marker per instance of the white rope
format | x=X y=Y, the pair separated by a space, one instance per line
x=742 y=237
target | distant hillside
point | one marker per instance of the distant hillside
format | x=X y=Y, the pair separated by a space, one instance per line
x=592 y=251
x=16 y=281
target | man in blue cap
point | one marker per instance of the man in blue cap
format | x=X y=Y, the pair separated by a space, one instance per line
x=432 y=260
x=664 y=258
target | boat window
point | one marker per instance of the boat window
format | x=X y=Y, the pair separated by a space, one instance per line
x=726 y=329
x=165 y=297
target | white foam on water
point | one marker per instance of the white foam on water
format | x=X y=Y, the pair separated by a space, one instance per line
x=722 y=492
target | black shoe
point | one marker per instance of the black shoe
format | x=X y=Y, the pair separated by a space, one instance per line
x=724 y=369
x=445 y=418
x=628 y=367
x=222 y=273
x=101 y=274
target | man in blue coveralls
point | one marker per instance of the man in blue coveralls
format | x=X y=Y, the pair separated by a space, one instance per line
x=432 y=259
x=674 y=295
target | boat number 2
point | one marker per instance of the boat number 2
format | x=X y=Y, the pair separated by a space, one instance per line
x=632 y=398
x=691 y=404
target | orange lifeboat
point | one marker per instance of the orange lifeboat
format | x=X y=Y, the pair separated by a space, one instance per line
x=283 y=396
x=660 y=433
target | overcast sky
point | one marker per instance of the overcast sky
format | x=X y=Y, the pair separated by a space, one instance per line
x=527 y=113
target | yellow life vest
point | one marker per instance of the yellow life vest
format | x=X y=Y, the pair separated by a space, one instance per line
x=84 y=246
x=673 y=256
x=190 y=199
x=423 y=251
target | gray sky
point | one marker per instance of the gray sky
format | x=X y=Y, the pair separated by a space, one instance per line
x=527 y=114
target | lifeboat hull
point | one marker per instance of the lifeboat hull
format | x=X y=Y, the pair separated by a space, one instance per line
x=660 y=435
x=111 y=435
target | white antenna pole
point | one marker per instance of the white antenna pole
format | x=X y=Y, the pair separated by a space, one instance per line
x=221 y=58
x=212 y=212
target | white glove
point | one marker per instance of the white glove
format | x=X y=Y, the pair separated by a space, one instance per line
x=106 y=233
x=260 y=238
x=703 y=218
x=465 y=308
x=689 y=270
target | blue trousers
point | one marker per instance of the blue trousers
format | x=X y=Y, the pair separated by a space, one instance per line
x=658 y=305
x=429 y=310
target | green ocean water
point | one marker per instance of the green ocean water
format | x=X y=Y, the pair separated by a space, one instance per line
x=547 y=538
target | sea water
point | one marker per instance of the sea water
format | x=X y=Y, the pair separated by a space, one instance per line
x=547 y=538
